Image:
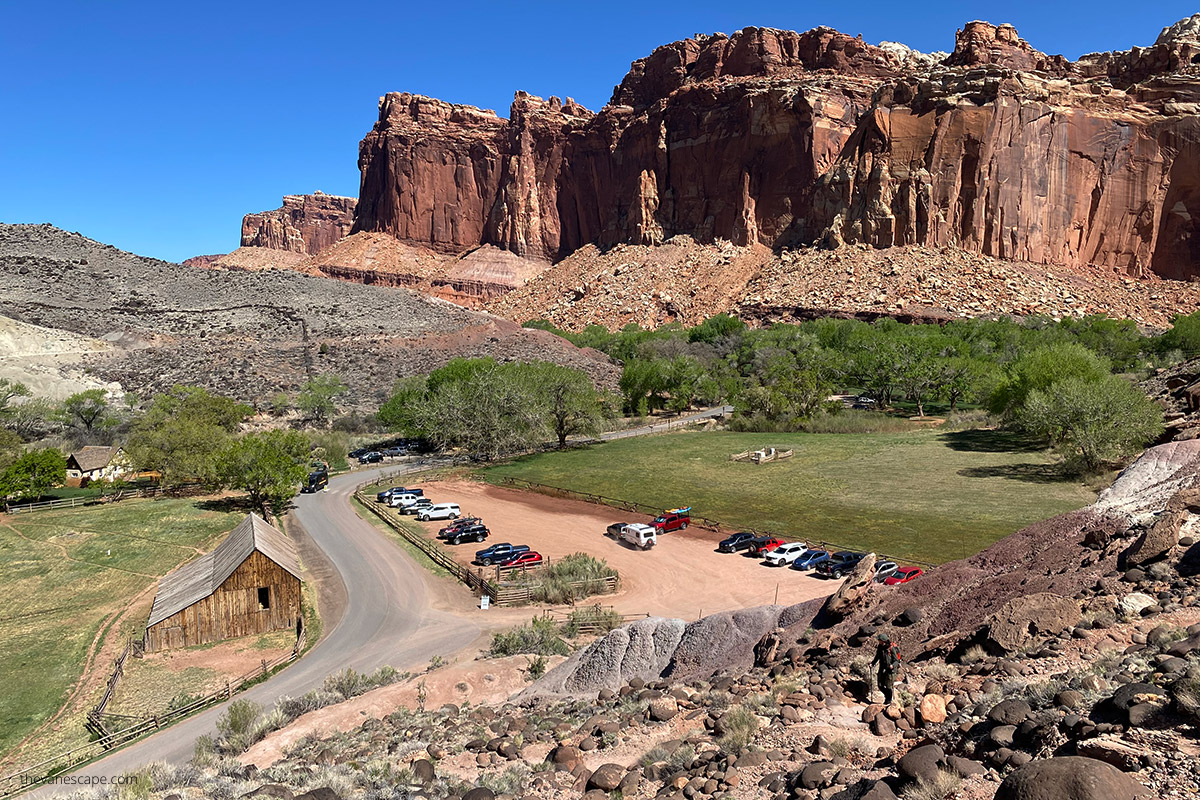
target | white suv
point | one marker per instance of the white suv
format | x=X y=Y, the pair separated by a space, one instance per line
x=402 y=500
x=439 y=511
x=785 y=554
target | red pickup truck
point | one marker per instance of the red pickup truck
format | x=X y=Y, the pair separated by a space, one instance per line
x=674 y=519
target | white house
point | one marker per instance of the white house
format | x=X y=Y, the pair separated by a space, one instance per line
x=96 y=464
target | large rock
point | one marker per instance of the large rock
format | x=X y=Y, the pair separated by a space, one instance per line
x=1157 y=540
x=853 y=591
x=1023 y=620
x=775 y=137
x=607 y=777
x=1069 y=778
x=306 y=223
x=921 y=763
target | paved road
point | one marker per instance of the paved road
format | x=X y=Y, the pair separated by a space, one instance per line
x=388 y=620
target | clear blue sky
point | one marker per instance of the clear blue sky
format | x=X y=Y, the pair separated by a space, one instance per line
x=156 y=126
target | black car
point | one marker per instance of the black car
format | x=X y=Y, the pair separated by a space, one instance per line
x=358 y=453
x=475 y=532
x=415 y=508
x=457 y=524
x=373 y=457
x=841 y=563
x=316 y=482
x=738 y=541
x=499 y=553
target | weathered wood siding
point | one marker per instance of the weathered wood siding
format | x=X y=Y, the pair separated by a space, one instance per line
x=233 y=610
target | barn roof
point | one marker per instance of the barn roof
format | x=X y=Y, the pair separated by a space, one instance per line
x=93 y=457
x=198 y=579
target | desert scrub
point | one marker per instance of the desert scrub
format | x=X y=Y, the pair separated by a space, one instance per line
x=973 y=654
x=655 y=755
x=539 y=637
x=594 y=617
x=236 y=725
x=537 y=667
x=940 y=787
x=738 y=725
x=940 y=671
x=576 y=575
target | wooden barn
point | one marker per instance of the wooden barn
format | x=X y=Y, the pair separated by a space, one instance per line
x=249 y=584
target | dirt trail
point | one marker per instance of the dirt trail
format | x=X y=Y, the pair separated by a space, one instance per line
x=682 y=577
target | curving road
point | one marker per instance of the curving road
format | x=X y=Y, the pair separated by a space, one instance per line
x=388 y=619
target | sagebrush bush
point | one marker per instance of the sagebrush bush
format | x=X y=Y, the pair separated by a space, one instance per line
x=539 y=637
x=738 y=725
x=942 y=786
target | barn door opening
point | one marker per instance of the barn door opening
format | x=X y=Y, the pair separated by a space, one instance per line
x=264 y=598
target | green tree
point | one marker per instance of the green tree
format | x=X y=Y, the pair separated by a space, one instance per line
x=182 y=432
x=89 y=410
x=317 y=397
x=401 y=411
x=1093 y=422
x=495 y=412
x=570 y=399
x=642 y=382
x=269 y=467
x=1038 y=369
x=33 y=474
x=10 y=448
x=9 y=391
x=33 y=419
x=716 y=327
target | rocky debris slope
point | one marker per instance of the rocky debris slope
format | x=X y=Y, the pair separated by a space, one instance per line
x=305 y=223
x=247 y=334
x=781 y=138
x=685 y=281
x=1177 y=389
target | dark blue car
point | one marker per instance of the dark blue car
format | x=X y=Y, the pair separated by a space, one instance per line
x=738 y=541
x=499 y=553
x=810 y=559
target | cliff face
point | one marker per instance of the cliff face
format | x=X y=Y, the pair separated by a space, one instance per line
x=785 y=138
x=306 y=223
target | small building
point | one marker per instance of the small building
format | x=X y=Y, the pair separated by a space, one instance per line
x=96 y=464
x=249 y=584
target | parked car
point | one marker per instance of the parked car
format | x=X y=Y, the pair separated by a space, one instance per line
x=785 y=554
x=394 y=452
x=738 y=541
x=840 y=563
x=903 y=575
x=499 y=553
x=884 y=570
x=440 y=511
x=459 y=524
x=316 y=482
x=358 y=453
x=402 y=500
x=373 y=457
x=417 y=507
x=810 y=559
x=476 y=532
x=764 y=544
x=386 y=494
x=530 y=558
x=675 y=519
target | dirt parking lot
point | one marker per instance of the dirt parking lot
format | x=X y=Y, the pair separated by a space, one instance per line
x=683 y=576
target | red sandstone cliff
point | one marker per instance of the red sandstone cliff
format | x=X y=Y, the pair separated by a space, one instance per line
x=783 y=138
x=306 y=223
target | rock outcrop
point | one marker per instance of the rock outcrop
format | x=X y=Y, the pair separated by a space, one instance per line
x=305 y=223
x=780 y=138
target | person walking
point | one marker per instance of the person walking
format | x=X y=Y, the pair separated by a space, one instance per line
x=887 y=657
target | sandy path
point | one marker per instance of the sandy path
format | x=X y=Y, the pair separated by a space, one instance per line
x=683 y=576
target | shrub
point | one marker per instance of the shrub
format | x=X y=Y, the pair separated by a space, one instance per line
x=945 y=784
x=973 y=655
x=738 y=726
x=539 y=637
x=940 y=671
x=577 y=575
x=605 y=619
x=537 y=667
x=236 y=725
x=655 y=755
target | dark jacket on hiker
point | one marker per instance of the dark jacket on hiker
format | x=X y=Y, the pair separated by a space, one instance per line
x=887 y=656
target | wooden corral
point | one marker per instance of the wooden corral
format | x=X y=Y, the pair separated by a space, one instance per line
x=764 y=456
x=249 y=584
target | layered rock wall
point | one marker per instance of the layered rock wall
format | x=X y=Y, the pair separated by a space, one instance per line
x=305 y=223
x=782 y=138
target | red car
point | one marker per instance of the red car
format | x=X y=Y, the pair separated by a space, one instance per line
x=903 y=575
x=528 y=559
x=675 y=519
x=764 y=544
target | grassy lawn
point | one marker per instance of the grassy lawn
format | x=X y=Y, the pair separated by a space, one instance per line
x=64 y=573
x=920 y=494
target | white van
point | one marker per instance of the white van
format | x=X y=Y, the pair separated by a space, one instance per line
x=439 y=511
x=402 y=500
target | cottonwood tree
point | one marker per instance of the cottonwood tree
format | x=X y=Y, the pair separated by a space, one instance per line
x=33 y=474
x=89 y=410
x=571 y=400
x=318 y=396
x=269 y=467
x=9 y=391
x=182 y=432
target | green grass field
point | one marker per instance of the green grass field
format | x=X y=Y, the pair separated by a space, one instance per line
x=920 y=495
x=64 y=573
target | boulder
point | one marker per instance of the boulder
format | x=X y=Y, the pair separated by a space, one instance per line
x=817 y=774
x=1134 y=603
x=1069 y=778
x=932 y=709
x=423 y=771
x=663 y=709
x=480 y=793
x=1157 y=540
x=607 y=777
x=1013 y=711
x=273 y=791
x=867 y=790
x=853 y=591
x=1026 y=619
x=1113 y=750
x=921 y=763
